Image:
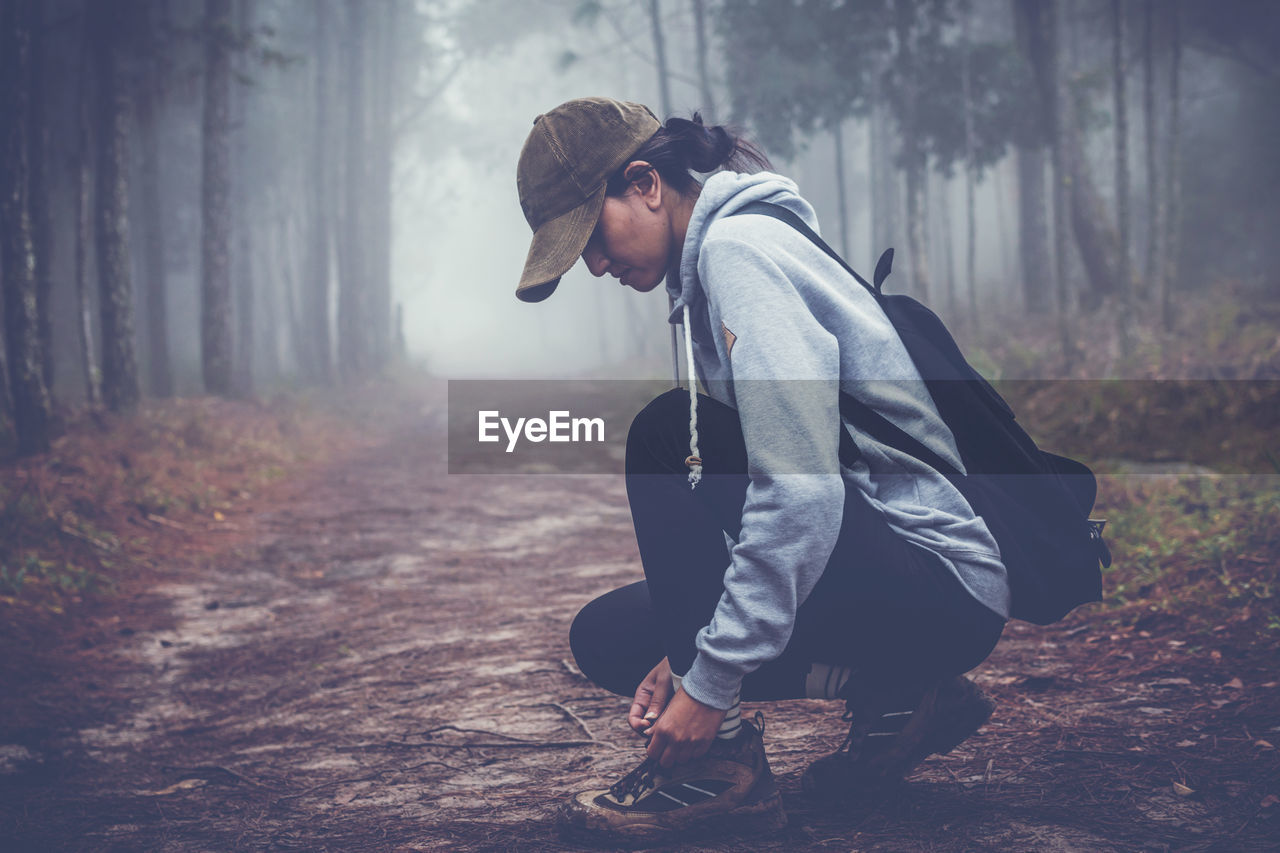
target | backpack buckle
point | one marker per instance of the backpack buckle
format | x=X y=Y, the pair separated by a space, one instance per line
x=1095 y=533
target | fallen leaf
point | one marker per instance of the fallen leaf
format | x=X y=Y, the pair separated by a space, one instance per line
x=1185 y=743
x=1234 y=684
x=1269 y=800
x=1265 y=744
x=217 y=516
x=1182 y=790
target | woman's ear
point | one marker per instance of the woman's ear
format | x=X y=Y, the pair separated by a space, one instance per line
x=647 y=181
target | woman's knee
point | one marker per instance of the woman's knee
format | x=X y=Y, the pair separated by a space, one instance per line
x=614 y=641
x=657 y=429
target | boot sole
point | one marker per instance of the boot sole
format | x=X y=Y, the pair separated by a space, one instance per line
x=963 y=726
x=751 y=818
x=971 y=717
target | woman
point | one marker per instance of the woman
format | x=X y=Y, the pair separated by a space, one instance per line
x=777 y=564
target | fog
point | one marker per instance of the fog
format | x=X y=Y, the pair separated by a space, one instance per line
x=274 y=182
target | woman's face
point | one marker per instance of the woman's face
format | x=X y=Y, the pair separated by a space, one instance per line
x=632 y=238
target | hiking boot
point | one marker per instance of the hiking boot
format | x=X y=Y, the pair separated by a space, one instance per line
x=730 y=788
x=888 y=740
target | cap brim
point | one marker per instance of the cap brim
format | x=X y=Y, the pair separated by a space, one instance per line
x=555 y=248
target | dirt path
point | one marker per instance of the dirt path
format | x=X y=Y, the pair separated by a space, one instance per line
x=314 y=688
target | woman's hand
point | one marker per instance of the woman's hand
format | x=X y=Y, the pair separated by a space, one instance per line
x=651 y=697
x=684 y=731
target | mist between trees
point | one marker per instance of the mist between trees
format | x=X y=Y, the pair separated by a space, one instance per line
x=231 y=196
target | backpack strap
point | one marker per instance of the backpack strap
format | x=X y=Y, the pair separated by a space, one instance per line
x=855 y=411
x=887 y=432
x=790 y=217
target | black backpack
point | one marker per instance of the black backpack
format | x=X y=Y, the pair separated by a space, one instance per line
x=1036 y=504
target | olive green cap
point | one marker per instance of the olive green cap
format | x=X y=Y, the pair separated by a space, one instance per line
x=564 y=166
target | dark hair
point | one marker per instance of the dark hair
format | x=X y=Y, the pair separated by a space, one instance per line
x=682 y=146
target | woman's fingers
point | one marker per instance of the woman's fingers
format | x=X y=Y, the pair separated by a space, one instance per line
x=636 y=716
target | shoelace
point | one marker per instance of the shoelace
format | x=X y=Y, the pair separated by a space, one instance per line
x=637 y=781
x=857 y=736
x=640 y=779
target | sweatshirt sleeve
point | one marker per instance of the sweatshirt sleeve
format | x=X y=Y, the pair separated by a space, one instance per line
x=785 y=369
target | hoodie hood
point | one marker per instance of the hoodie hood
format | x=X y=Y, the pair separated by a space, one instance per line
x=723 y=194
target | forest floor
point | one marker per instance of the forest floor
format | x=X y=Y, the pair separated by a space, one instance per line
x=361 y=652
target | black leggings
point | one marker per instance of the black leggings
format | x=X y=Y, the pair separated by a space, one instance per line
x=889 y=609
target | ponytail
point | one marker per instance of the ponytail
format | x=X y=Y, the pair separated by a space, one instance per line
x=682 y=146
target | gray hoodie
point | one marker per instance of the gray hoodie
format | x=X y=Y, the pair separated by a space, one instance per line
x=761 y=302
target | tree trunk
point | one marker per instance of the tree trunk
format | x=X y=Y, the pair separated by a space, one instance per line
x=215 y=235
x=660 y=55
x=353 y=296
x=1124 y=316
x=120 y=388
x=1037 y=275
x=1002 y=192
x=316 y=294
x=1149 y=135
x=6 y=396
x=84 y=223
x=159 y=375
x=1095 y=239
x=380 y=176
x=948 y=242
x=1060 y=115
x=913 y=156
x=970 y=205
x=1174 y=180
x=1033 y=243
x=247 y=216
x=885 y=223
x=244 y=341
x=702 y=49
x=837 y=134
x=31 y=413
x=38 y=194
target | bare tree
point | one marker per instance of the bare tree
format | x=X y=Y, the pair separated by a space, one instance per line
x=17 y=256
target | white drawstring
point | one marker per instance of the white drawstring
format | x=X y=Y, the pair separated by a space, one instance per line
x=694 y=461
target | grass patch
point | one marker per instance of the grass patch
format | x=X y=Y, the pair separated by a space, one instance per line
x=1203 y=548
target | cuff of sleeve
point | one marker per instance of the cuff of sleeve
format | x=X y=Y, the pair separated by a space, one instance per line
x=712 y=683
